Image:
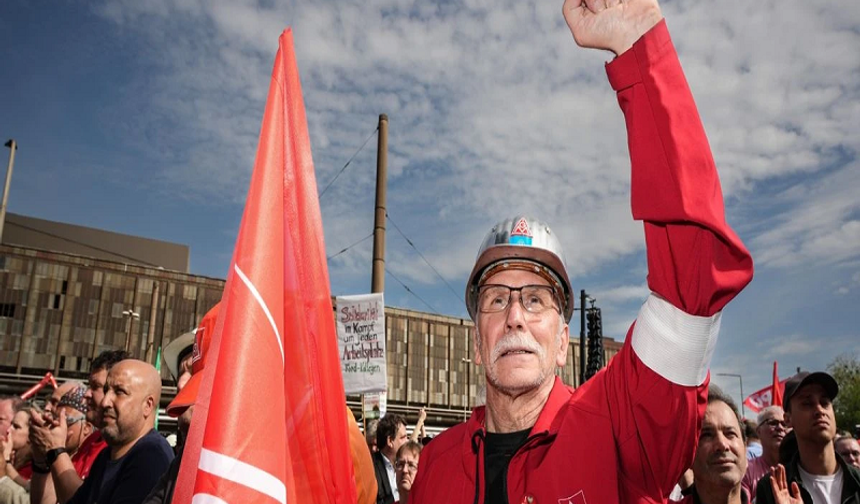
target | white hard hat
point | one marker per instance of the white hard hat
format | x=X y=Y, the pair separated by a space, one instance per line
x=522 y=239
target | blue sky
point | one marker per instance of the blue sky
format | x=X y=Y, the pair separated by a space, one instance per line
x=143 y=117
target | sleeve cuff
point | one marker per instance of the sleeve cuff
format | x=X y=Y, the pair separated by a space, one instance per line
x=674 y=344
x=626 y=70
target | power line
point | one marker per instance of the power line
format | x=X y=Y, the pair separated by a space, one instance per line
x=350 y=161
x=422 y=257
x=434 y=310
x=353 y=245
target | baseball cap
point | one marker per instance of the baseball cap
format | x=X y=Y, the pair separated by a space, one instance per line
x=805 y=378
x=202 y=339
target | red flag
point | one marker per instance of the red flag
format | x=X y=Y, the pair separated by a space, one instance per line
x=763 y=398
x=776 y=389
x=269 y=423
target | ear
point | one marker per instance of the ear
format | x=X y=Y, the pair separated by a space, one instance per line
x=564 y=337
x=148 y=406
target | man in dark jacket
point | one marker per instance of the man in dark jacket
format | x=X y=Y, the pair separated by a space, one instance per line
x=390 y=435
x=815 y=474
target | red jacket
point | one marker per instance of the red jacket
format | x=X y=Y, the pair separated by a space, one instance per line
x=628 y=433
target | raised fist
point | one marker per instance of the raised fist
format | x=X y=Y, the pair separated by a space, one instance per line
x=613 y=25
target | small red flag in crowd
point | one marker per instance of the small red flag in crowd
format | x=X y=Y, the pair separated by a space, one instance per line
x=776 y=388
x=269 y=422
x=768 y=396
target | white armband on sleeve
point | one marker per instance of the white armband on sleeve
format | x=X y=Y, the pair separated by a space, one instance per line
x=676 y=345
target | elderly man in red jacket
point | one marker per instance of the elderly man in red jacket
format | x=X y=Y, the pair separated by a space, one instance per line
x=628 y=434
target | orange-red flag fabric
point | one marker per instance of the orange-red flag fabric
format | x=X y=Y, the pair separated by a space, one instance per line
x=269 y=422
x=776 y=388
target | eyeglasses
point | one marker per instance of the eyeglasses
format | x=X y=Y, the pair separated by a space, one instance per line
x=773 y=423
x=402 y=465
x=535 y=299
x=73 y=420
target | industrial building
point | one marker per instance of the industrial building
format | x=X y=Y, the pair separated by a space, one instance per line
x=69 y=292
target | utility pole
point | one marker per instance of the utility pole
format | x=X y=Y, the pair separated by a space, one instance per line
x=132 y=316
x=741 y=381
x=377 y=281
x=13 y=146
x=582 y=299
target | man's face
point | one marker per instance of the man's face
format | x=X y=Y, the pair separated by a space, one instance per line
x=78 y=428
x=94 y=395
x=405 y=468
x=849 y=449
x=20 y=430
x=123 y=406
x=519 y=350
x=398 y=440
x=721 y=456
x=772 y=430
x=811 y=415
x=6 y=414
x=56 y=395
x=185 y=364
x=51 y=403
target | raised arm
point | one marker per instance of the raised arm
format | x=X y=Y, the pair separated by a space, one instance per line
x=655 y=388
x=419 y=426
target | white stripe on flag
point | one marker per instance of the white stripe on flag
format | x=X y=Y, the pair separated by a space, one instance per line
x=244 y=474
x=207 y=499
x=262 y=304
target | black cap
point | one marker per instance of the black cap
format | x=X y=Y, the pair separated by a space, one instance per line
x=803 y=379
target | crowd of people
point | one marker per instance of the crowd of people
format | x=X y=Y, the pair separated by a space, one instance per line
x=97 y=443
x=87 y=443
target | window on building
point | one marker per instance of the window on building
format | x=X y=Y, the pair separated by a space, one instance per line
x=7 y=310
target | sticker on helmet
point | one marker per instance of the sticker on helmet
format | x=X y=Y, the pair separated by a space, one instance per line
x=521 y=234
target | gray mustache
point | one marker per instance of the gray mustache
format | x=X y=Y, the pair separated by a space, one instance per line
x=513 y=341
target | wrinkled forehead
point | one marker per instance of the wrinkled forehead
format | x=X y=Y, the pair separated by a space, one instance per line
x=720 y=415
x=408 y=455
x=121 y=376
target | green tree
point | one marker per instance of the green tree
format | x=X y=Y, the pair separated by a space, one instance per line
x=846 y=370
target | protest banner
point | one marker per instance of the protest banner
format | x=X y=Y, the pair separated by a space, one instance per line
x=361 y=342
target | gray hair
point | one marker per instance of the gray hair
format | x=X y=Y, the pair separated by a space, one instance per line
x=766 y=412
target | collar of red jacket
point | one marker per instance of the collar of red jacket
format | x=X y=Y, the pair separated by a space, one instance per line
x=559 y=396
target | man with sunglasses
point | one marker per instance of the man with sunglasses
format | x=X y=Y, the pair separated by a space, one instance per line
x=771 y=429
x=630 y=432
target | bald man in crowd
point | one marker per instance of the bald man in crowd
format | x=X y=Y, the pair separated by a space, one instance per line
x=137 y=455
x=56 y=476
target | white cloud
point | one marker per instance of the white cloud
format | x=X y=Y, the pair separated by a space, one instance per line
x=821 y=224
x=493 y=110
